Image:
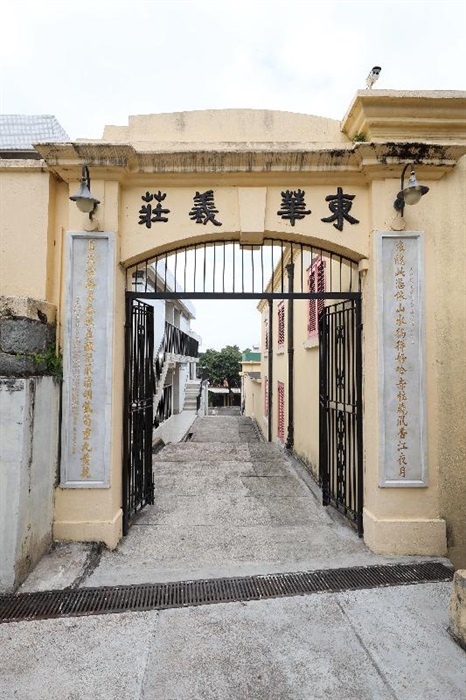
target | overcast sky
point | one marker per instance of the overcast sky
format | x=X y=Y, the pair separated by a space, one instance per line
x=94 y=63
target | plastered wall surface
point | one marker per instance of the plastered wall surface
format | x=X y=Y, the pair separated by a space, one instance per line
x=248 y=159
x=29 y=461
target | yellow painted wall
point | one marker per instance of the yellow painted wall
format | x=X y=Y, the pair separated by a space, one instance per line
x=252 y=390
x=410 y=520
x=36 y=214
x=26 y=242
x=217 y=126
x=86 y=514
x=401 y=520
x=306 y=355
x=139 y=242
x=447 y=359
x=253 y=399
x=306 y=390
x=338 y=278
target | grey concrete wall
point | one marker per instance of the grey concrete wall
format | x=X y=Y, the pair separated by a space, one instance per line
x=204 y=404
x=183 y=378
x=29 y=428
x=176 y=389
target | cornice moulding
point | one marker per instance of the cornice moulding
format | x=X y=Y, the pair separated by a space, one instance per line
x=430 y=116
x=123 y=162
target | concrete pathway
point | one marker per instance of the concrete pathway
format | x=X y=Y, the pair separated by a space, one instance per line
x=228 y=504
x=384 y=644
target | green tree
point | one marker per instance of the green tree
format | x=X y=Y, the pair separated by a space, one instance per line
x=218 y=365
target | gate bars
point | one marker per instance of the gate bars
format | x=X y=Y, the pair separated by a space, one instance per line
x=138 y=482
x=225 y=269
x=340 y=409
x=229 y=270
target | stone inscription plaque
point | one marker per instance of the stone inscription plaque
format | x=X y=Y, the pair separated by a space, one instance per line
x=401 y=351
x=87 y=360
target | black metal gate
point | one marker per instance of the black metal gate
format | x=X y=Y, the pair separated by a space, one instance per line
x=340 y=410
x=222 y=269
x=138 y=482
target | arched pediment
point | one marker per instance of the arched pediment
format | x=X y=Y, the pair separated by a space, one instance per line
x=225 y=126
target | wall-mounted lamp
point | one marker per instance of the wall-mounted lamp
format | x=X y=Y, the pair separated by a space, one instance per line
x=410 y=194
x=83 y=197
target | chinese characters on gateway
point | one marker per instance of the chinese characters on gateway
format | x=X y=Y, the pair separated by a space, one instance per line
x=401 y=359
x=293 y=208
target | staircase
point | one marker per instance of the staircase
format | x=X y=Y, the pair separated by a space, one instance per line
x=161 y=383
x=176 y=346
x=190 y=396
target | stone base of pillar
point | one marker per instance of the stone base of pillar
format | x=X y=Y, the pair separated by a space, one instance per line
x=403 y=536
x=107 y=531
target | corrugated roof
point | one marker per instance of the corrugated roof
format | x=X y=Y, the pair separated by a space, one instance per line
x=19 y=131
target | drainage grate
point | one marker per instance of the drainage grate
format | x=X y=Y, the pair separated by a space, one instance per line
x=158 y=596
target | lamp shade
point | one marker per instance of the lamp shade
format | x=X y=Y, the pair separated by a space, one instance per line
x=414 y=191
x=84 y=199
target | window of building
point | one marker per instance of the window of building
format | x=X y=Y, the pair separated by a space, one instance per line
x=281 y=412
x=316 y=283
x=266 y=397
x=266 y=335
x=281 y=325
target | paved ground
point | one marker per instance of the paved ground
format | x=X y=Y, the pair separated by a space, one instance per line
x=228 y=504
x=387 y=644
x=224 y=411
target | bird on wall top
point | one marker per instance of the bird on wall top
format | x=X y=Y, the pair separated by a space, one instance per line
x=373 y=76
